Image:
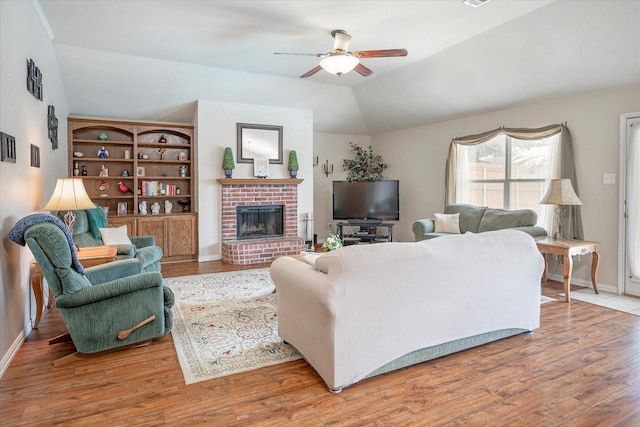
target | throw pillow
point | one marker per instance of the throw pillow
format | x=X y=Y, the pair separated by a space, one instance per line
x=115 y=236
x=447 y=223
x=97 y=219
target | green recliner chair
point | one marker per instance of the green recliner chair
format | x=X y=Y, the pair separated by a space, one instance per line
x=86 y=232
x=104 y=307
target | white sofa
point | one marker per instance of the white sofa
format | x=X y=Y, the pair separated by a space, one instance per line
x=379 y=307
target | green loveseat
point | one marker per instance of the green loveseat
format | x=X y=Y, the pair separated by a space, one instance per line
x=477 y=219
x=86 y=232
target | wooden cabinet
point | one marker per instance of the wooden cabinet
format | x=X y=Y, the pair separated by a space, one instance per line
x=177 y=235
x=125 y=165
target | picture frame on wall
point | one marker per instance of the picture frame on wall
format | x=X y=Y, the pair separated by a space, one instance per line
x=122 y=208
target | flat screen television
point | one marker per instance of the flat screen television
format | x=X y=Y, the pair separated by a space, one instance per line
x=366 y=201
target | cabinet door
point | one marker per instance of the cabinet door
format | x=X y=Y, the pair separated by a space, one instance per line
x=153 y=226
x=123 y=220
x=181 y=235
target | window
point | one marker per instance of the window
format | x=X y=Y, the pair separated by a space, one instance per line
x=506 y=172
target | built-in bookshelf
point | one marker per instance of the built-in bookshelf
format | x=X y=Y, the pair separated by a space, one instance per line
x=142 y=174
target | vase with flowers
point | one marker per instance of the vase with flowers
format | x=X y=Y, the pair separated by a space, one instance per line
x=332 y=242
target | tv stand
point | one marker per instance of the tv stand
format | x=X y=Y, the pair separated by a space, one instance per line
x=368 y=232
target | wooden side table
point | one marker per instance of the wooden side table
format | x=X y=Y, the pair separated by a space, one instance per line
x=568 y=248
x=88 y=256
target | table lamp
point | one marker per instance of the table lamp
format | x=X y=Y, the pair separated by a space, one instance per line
x=560 y=193
x=69 y=195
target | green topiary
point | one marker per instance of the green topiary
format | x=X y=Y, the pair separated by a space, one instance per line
x=293 y=161
x=227 y=162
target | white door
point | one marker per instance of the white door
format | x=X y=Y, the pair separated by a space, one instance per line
x=632 y=207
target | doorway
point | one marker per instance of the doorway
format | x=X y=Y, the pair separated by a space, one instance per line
x=629 y=264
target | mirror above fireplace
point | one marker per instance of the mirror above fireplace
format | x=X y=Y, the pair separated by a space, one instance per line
x=259 y=142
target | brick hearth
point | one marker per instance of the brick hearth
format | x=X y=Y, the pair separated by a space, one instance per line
x=259 y=192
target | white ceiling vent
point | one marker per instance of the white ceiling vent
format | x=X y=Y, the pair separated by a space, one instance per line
x=475 y=3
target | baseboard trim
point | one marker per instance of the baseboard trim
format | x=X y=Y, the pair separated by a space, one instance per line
x=210 y=258
x=8 y=357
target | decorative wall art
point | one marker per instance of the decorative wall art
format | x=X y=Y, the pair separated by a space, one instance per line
x=35 y=156
x=34 y=80
x=52 y=124
x=7 y=148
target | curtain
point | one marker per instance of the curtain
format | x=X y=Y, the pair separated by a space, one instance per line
x=633 y=200
x=565 y=167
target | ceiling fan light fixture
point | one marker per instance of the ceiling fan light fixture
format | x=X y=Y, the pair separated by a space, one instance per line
x=339 y=64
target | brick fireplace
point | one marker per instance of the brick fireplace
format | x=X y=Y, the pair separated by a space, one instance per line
x=259 y=192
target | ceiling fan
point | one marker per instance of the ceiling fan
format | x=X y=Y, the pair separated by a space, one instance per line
x=340 y=61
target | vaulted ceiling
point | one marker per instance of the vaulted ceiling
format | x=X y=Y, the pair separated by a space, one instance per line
x=461 y=60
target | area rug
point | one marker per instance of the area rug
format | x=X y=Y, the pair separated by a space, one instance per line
x=545 y=299
x=226 y=323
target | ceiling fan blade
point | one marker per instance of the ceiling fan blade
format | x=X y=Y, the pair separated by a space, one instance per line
x=362 y=70
x=318 y=55
x=342 y=40
x=311 y=72
x=380 y=53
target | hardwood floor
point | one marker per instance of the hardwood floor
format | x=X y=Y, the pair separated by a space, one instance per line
x=581 y=368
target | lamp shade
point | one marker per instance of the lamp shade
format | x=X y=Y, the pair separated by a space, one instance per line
x=339 y=64
x=561 y=193
x=69 y=194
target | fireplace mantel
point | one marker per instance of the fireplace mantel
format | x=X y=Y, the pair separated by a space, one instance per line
x=258 y=181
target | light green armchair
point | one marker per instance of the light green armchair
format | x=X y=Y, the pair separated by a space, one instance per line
x=86 y=232
x=104 y=307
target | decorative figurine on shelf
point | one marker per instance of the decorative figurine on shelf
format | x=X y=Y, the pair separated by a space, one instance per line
x=183 y=171
x=155 y=208
x=103 y=153
x=123 y=188
x=104 y=171
x=162 y=140
x=103 y=137
x=185 y=205
x=167 y=206
x=125 y=173
x=142 y=207
x=161 y=151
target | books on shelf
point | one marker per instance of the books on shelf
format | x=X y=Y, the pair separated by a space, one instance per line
x=156 y=188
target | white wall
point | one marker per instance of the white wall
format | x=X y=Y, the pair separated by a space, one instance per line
x=216 y=129
x=24 y=189
x=417 y=157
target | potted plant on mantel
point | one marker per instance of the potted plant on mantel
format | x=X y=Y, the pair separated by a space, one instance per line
x=293 y=164
x=227 y=162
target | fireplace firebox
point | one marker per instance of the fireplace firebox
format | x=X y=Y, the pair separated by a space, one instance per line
x=259 y=222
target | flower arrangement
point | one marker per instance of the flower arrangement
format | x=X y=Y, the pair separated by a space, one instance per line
x=332 y=242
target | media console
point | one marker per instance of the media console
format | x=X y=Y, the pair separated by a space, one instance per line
x=368 y=232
